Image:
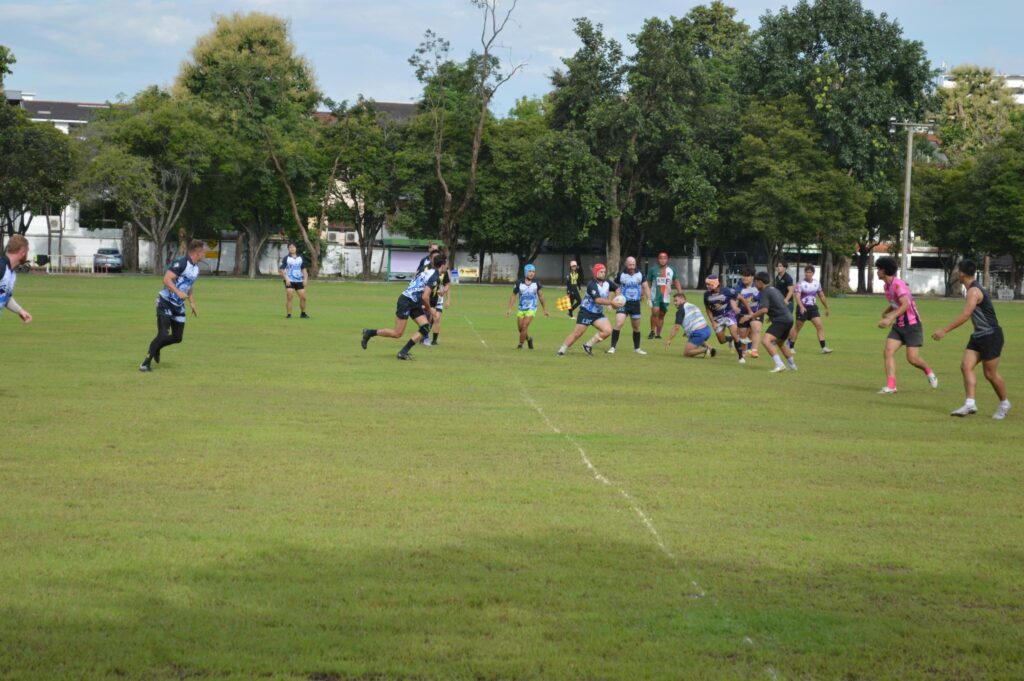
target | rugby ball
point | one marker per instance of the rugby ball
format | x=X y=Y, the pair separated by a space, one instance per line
x=619 y=301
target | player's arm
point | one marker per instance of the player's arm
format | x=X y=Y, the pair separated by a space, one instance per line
x=425 y=297
x=612 y=288
x=800 y=304
x=760 y=313
x=13 y=306
x=511 y=301
x=448 y=295
x=645 y=292
x=973 y=298
x=893 y=313
x=824 y=302
x=735 y=307
x=283 y=269
x=789 y=294
x=543 y=305
x=672 y=334
x=676 y=284
x=305 y=276
x=170 y=276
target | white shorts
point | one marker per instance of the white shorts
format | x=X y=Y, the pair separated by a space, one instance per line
x=723 y=323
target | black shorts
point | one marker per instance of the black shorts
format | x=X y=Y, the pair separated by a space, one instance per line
x=746 y=324
x=810 y=312
x=779 y=329
x=989 y=346
x=631 y=308
x=586 y=318
x=409 y=308
x=294 y=285
x=168 y=310
x=911 y=335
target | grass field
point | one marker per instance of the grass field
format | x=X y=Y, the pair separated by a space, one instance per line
x=273 y=502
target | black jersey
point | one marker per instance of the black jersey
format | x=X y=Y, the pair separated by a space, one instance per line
x=984 y=315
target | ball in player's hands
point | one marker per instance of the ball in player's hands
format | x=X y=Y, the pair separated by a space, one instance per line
x=619 y=301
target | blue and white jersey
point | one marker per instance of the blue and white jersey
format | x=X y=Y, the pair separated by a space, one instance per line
x=7 y=279
x=597 y=289
x=186 y=273
x=751 y=295
x=293 y=266
x=425 y=279
x=632 y=285
x=690 y=318
x=527 y=291
x=720 y=303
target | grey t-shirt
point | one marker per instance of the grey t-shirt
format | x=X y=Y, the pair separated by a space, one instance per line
x=775 y=301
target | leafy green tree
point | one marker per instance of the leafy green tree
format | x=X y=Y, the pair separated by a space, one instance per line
x=975 y=112
x=789 y=188
x=147 y=155
x=265 y=95
x=943 y=207
x=6 y=61
x=999 y=183
x=37 y=166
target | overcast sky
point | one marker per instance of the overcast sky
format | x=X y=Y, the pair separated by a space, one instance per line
x=94 y=50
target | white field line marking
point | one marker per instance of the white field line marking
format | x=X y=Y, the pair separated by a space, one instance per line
x=600 y=477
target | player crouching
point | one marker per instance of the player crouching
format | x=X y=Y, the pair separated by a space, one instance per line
x=691 y=320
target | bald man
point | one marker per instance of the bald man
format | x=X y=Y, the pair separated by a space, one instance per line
x=634 y=287
x=573 y=281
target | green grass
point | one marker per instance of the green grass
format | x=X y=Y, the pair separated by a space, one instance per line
x=273 y=502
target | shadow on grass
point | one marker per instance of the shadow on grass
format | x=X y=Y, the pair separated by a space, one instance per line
x=561 y=606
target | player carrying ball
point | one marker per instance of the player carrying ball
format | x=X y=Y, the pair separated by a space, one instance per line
x=592 y=312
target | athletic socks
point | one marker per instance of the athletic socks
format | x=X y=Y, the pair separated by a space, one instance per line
x=370 y=333
x=739 y=348
x=435 y=338
x=822 y=344
x=969 y=403
x=890 y=382
x=408 y=346
x=636 y=340
x=778 y=360
x=615 y=337
x=563 y=349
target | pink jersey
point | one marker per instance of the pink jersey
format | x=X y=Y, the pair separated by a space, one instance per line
x=896 y=289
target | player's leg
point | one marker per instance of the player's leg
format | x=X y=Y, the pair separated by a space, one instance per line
x=604 y=329
x=771 y=345
x=422 y=328
x=163 y=330
x=523 y=324
x=891 y=346
x=991 y=369
x=288 y=293
x=796 y=331
x=620 y=320
x=435 y=329
x=738 y=343
x=968 y=363
x=302 y=301
x=914 y=358
x=573 y=336
x=526 y=330
x=655 y=311
x=634 y=321
x=395 y=332
x=819 y=327
x=755 y=336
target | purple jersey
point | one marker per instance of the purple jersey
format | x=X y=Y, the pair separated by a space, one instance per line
x=808 y=292
x=720 y=303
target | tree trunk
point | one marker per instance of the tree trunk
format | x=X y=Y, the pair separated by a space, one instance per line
x=366 y=258
x=706 y=255
x=483 y=254
x=239 y=253
x=130 y=247
x=614 y=244
x=159 y=263
x=988 y=272
x=255 y=245
x=841 y=281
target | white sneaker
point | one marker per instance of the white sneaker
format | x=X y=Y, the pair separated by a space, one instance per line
x=933 y=380
x=610 y=351
x=826 y=350
x=639 y=351
x=887 y=391
x=964 y=411
x=1001 y=412
x=426 y=341
x=743 y=360
x=777 y=370
x=792 y=365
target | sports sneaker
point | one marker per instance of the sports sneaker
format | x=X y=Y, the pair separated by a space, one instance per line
x=743 y=360
x=792 y=364
x=657 y=335
x=650 y=336
x=304 y=316
x=640 y=351
x=826 y=350
x=933 y=380
x=587 y=349
x=778 y=370
x=559 y=354
x=426 y=341
x=529 y=342
x=519 y=347
x=570 y=314
x=753 y=354
x=887 y=391
x=366 y=338
x=1001 y=412
x=713 y=351
x=964 y=411
x=288 y=316
x=404 y=355
x=145 y=367
x=611 y=350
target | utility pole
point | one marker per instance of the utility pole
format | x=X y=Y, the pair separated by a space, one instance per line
x=912 y=129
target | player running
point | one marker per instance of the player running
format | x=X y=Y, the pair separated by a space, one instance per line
x=634 y=287
x=440 y=297
x=598 y=295
x=901 y=314
x=773 y=304
x=662 y=279
x=14 y=255
x=808 y=292
x=293 y=271
x=985 y=345
x=720 y=302
x=691 y=320
x=529 y=292
x=179 y=279
x=749 y=299
x=573 y=281
x=414 y=303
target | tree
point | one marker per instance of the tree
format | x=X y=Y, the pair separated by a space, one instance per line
x=943 y=210
x=6 y=61
x=264 y=95
x=456 y=173
x=789 y=188
x=999 y=183
x=147 y=155
x=36 y=170
x=975 y=112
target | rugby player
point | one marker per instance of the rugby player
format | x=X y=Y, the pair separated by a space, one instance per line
x=901 y=314
x=529 y=291
x=179 y=279
x=414 y=303
x=662 y=279
x=808 y=292
x=634 y=287
x=691 y=320
x=293 y=271
x=14 y=255
x=599 y=293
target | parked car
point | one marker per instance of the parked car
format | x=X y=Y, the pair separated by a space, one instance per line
x=107 y=260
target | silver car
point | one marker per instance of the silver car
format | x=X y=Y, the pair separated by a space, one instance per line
x=107 y=260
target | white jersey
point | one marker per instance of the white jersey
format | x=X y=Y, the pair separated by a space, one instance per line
x=293 y=266
x=692 y=319
x=808 y=292
x=7 y=279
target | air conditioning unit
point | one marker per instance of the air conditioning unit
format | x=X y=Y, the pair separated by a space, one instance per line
x=351 y=238
x=333 y=237
x=54 y=223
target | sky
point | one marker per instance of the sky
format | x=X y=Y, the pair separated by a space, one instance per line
x=98 y=50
